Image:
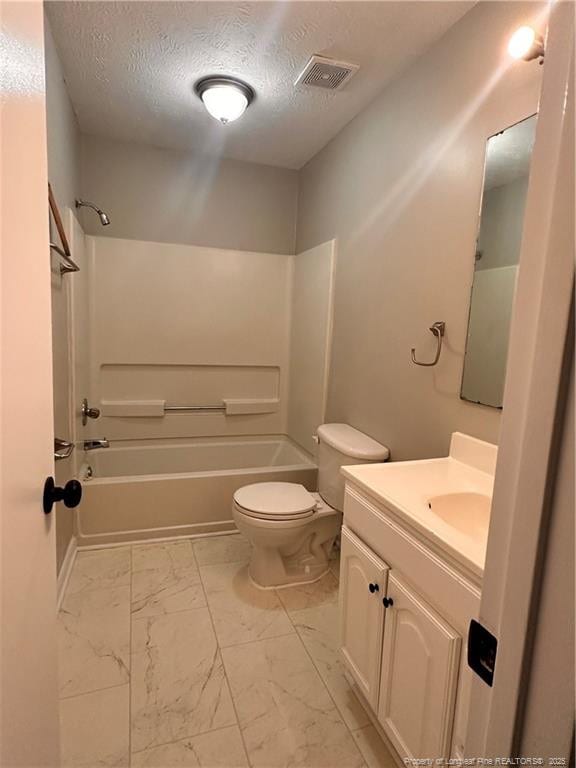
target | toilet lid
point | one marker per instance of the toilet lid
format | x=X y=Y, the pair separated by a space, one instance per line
x=276 y=500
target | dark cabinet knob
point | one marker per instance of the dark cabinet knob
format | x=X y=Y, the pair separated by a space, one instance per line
x=388 y=602
x=373 y=588
x=71 y=494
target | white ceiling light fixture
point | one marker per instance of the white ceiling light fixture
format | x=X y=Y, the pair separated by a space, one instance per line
x=225 y=98
x=526 y=44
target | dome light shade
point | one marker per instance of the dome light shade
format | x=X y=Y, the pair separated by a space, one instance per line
x=225 y=98
x=525 y=44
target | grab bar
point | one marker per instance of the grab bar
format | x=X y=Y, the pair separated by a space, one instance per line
x=69 y=265
x=195 y=408
x=438 y=330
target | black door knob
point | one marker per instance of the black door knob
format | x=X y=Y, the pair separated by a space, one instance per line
x=373 y=588
x=70 y=494
x=388 y=602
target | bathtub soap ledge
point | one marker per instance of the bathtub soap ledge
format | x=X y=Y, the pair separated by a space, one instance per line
x=241 y=406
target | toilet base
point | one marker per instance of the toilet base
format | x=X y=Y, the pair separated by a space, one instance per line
x=298 y=580
x=300 y=558
x=289 y=552
x=269 y=570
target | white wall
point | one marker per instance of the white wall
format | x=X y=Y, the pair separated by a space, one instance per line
x=400 y=188
x=161 y=195
x=310 y=341
x=62 y=129
x=188 y=325
x=400 y=192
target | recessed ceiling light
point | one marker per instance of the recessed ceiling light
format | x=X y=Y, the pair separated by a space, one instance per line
x=225 y=98
x=525 y=44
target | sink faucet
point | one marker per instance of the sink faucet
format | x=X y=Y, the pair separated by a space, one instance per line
x=92 y=445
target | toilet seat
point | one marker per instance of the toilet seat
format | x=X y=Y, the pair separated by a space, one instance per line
x=275 y=501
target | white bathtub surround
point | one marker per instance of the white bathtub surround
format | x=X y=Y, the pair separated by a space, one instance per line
x=262 y=333
x=150 y=342
x=157 y=408
x=311 y=322
x=166 y=488
x=195 y=702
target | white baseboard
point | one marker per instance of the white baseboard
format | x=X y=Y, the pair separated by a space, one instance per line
x=142 y=535
x=66 y=570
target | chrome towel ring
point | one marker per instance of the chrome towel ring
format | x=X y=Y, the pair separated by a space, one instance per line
x=438 y=329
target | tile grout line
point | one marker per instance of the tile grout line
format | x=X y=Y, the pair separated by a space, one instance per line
x=292 y=622
x=86 y=590
x=341 y=716
x=93 y=690
x=134 y=617
x=222 y=659
x=257 y=640
x=186 y=738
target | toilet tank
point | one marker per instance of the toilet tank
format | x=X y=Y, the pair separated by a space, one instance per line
x=340 y=445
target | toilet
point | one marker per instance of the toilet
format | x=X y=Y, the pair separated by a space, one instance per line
x=292 y=530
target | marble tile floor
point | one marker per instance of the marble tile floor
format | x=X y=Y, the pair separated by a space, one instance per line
x=169 y=656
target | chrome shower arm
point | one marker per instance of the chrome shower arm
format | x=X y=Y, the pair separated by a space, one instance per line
x=104 y=220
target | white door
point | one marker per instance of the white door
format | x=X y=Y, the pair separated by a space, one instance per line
x=420 y=662
x=534 y=398
x=363 y=579
x=28 y=679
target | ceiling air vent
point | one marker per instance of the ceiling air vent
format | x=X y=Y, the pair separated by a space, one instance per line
x=326 y=73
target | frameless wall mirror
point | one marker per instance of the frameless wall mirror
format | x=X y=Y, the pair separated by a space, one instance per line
x=508 y=157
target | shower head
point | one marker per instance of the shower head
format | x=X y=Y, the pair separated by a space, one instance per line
x=104 y=220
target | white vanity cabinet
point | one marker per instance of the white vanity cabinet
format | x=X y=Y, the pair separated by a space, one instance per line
x=363 y=578
x=420 y=662
x=406 y=659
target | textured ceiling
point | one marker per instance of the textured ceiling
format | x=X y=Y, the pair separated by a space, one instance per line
x=130 y=67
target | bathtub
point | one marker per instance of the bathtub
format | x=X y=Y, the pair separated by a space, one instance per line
x=139 y=489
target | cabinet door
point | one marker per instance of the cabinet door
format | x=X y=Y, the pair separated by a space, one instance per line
x=362 y=585
x=420 y=662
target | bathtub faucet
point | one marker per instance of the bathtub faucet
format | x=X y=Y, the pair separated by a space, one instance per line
x=92 y=445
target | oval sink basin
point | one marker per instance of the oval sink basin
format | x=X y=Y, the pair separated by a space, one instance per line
x=467 y=512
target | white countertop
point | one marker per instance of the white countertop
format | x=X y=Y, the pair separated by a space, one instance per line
x=406 y=487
